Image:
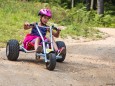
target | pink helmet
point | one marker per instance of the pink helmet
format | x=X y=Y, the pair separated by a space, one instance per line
x=45 y=12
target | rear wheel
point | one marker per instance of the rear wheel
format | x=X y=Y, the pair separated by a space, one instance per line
x=12 y=50
x=61 y=44
x=50 y=65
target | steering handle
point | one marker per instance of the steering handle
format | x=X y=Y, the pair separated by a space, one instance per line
x=53 y=27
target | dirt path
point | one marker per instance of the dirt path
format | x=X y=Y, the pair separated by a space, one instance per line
x=86 y=64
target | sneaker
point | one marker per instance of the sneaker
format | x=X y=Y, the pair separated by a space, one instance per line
x=62 y=51
x=39 y=49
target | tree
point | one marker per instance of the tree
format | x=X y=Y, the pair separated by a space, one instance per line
x=91 y=4
x=100 y=6
x=72 y=3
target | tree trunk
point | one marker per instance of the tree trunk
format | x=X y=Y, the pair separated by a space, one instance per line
x=100 y=6
x=92 y=4
x=72 y=3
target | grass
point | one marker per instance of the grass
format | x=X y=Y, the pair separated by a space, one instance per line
x=85 y=32
x=14 y=13
x=12 y=16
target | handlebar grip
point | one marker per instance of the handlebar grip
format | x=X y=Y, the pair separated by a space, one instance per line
x=32 y=24
x=55 y=28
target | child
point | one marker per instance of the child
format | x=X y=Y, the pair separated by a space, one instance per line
x=34 y=37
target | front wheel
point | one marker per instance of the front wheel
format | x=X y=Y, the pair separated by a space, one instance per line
x=50 y=65
x=12 y=50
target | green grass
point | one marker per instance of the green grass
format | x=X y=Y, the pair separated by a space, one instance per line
x=14 y=13
x=12 y=16
x=84 y=31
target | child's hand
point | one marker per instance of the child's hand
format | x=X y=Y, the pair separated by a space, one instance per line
x=26 y=25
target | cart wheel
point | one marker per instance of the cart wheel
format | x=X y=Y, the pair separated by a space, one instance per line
x=50 y=65
x=12 y=50
x=61 y=44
